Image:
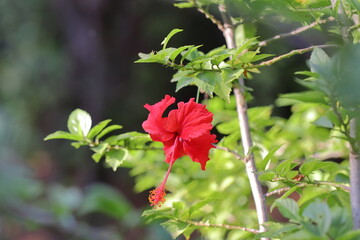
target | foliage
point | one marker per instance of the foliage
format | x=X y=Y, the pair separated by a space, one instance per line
x=302 y=157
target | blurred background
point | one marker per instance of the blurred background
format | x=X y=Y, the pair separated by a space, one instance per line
x=58 y=55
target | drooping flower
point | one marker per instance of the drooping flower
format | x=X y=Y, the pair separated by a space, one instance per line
x=185 y=131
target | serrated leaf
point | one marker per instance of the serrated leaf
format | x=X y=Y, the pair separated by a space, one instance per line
x=175 y=228
x=63 y=135
x=207 y=81
x=183 y=79
x=115 y=158
x=79 y=122
x=108 y=130
x=98 y=128
x=169 y=36
x=288 y=208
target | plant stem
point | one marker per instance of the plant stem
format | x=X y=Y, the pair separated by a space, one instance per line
x=226 y=226
x=354 y=177
x=296 y=31
x=241 y=106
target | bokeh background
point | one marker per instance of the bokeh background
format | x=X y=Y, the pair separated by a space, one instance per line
x=58 y=55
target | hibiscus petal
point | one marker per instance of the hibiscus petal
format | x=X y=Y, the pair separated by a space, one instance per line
x=198 y=148
x=174 y=149
x=154 y=124
x=192 y=119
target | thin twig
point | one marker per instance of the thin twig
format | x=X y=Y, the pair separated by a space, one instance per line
x=296 y=31
x=226 y=226
x=209 y=16
x=237 y=156
x=309 y=184
x=289 y=54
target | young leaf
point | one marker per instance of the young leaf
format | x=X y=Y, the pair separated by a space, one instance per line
x=169 y=36
x=79 y=122
x=175 y=228
x=267 y=158
x=98 y=128
x=116 y=157
x=63 y=135
x=107 y=130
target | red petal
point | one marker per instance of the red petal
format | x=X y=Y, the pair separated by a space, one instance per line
x=154 y=124
x=174 y=149
x=198 y=148
x=191 y=119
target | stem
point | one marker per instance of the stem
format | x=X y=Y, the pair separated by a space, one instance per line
x=296 y=31
x=354 y=178
x=226 y=226
x=241 y=106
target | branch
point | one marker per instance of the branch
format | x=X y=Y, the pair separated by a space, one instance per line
x=237 y=156
x=289 y=54
x=209 y=16
x=296 y=31
x=307 y=184
x=246 y=140
x=226 y=226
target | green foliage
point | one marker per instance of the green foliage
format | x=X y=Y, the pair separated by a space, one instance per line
x=294 y=156
x=114 y=148
x=212 y=72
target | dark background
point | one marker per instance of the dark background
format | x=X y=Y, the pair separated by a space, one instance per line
x=59 y=55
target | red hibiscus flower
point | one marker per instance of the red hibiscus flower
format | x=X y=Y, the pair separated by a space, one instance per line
x=185 y=131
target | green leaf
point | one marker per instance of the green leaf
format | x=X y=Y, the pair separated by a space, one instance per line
x=267 y=176
x=207 y=81
x=156 y=214
x=284 y=167
x=307 y=97
x=223 y=87
x=115 y=158
x=183 y=79
x=79 y=122
x=288 y=208
x=175 y=228
x=99 y=151
x=108 y=130
x=319 y=215
x=191 y=54
x=98 y=128
x=176 y=52
x=267 y=158
x=324 y=122
x=352 y=235
x=63 y=135
x=313 y=165
x=169 y=36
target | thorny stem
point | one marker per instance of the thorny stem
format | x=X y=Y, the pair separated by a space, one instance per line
x=245 y=129
x=296 y=31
